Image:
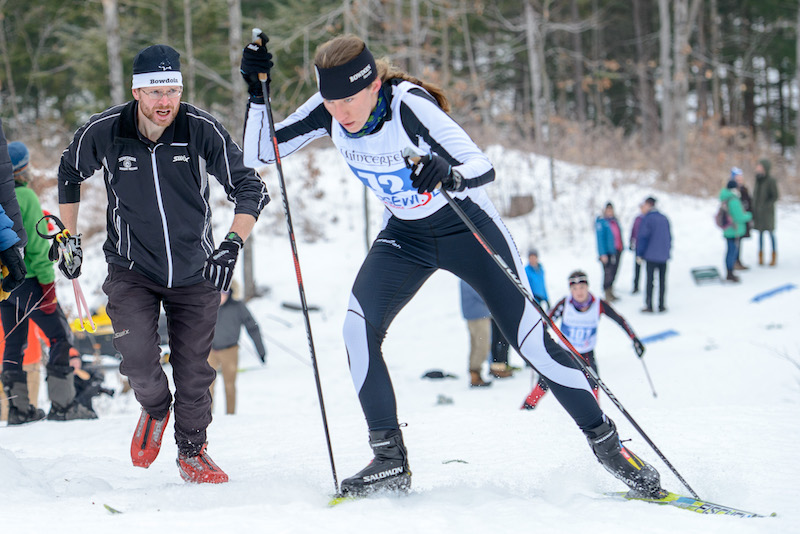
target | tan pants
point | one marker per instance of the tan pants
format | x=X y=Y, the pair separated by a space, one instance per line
x=34 y=377
x=480 y=341
x=228 y=361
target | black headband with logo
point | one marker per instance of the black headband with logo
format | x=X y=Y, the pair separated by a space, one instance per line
x=346 y=80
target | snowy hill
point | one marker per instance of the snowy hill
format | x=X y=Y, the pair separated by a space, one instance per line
x=726 y=415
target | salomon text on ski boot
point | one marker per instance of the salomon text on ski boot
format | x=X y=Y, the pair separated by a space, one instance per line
x=388 y=471
x=621 y=462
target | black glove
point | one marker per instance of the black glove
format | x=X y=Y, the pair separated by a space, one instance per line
x=256 y=60
x=431 y=170
x=219 y=266
x=12 y=260
x=638 y=347
x=66 y=250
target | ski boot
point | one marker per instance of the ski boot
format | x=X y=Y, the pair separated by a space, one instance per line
x=388 y=471
x=200 y=468
x=146 y=441
x=20 y=410
x=640 y=476
x=61 y=388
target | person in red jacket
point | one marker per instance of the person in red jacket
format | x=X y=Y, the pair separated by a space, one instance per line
x=580 y=315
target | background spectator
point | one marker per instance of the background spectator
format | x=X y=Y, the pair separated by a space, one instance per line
x=637 y=265
x=478 y=320
x=609 y=248
x=765 y=194
x=744 y=196
x=232 y=316
x=730 y=197
x=653 y=245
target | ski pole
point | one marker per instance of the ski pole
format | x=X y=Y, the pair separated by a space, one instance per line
x=653 y=389
x=263 y=78
x=571 y=350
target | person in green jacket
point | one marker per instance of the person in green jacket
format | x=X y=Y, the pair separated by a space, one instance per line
x=765 y=194
x=729 y=196
x=35 y=299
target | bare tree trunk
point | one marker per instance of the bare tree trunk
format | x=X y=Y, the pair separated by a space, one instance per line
x=684 y=21
x=188 y=44
x=235 y=45
x=111 y=27
x=12 y=91
x=700 y=77
x=531 y=44
x=415 y=45
x=681 y=77
x=716 y=89
x=665 y=45
x=445 y=49
x=797 y=81
x=648 y=115
x=165 y=22
x=597 y=98
x=577 y=66
x=781 y=109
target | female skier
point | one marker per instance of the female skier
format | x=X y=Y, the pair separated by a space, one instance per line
x=373 y=113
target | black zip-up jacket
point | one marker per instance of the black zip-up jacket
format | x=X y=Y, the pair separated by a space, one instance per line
x=159 y=216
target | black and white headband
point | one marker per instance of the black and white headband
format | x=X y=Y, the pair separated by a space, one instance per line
x=346 y=80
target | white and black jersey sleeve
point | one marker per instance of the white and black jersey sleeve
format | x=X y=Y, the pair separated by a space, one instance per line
x=431 y=128
x=310 y=121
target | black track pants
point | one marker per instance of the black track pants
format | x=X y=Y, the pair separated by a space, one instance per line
x=15 y=324
x=133 y=306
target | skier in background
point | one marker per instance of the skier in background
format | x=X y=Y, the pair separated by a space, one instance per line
x=580 y=316
x=374 y=113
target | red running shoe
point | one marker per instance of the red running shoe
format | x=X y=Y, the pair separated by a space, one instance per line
x=200 y=469
x=146 y=440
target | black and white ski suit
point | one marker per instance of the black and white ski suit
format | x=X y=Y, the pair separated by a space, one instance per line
x=421 y=234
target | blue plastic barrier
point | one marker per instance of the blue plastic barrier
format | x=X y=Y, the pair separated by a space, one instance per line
x=773 y=292
x=658 y=337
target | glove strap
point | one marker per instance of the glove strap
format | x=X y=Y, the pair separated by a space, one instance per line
x=233 y=236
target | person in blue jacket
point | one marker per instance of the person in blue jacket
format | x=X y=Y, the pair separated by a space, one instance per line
x=609 y=248
x=535 y=272
x=729 y=195
x=653 y=246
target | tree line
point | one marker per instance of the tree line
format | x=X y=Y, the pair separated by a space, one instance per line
x=660 y=74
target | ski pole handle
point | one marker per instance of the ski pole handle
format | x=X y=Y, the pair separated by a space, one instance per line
x=256 y=34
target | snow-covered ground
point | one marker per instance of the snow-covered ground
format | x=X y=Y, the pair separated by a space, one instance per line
x=726 y=415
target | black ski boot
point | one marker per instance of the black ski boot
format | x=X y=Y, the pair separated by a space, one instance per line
x=640 y=476
x=20 y=409
x=61 y=388
x=388 y=471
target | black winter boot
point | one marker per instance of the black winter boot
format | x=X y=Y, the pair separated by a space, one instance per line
x=388 y=471
x=20 y=409
x=621 y=462
x=61 y=388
